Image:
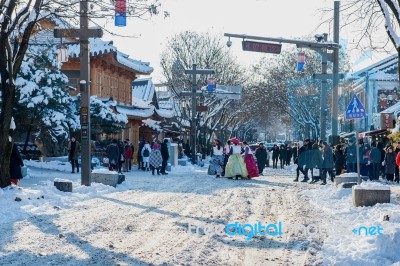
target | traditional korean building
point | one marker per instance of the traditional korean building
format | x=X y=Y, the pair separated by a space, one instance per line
x=114 y=79
x=377 y=87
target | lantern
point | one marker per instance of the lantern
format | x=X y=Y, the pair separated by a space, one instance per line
x=300 y=61
x=62 y=53
x=120 y=13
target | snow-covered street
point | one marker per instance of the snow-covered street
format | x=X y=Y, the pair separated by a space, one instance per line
x=145 y=221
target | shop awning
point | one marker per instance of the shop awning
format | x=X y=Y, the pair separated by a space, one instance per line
x=372 y=133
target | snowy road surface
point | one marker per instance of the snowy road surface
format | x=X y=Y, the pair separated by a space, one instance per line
x=145 y=221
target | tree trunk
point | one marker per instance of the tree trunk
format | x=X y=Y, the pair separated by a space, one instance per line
x=8 y=96
x=28 y=134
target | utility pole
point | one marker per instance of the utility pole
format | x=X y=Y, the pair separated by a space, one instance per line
x=335 y=90
x=194 y=95
x=83 y=33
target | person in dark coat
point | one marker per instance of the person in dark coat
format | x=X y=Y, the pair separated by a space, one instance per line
x=390 y=163
x=351 y=157
x=300 y=161
x=375 y=161
x=294 y=151
x=139 y=156
x=282 y=155
x=165 y=156
x=227 y=153
x=327 y=165
x=261 y=156
x=316 y=163
x=113 y=154
x=339 y=158
x=16 y=163
x=275 y=156
x=383 y=152
x=288 y=154
x=121 y=161
x=73 y=154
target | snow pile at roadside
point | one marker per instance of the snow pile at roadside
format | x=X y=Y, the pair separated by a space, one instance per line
x=52 y=165
x=348 y=242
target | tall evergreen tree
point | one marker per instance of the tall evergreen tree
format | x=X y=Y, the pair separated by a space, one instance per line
x=42 y=101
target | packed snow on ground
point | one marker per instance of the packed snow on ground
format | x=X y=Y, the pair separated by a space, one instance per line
x=145 y=221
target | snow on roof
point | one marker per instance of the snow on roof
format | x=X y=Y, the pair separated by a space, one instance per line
x=143 y=89
x=381 y=75
x=165 y=113
x=142 y=67
x=133 y=111
x=384 y=65
x=391 y=109
x=98 y=47
x=152 y=124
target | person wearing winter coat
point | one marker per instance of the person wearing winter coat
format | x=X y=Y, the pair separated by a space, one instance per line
x=383 y=152
x=73 y=154
x=351 y=157
x=155 y=159
x=327 y=164
x=366 y=166
x=121 y=160
x=339 y=159
x=165 y=156
x=145 y=153
x=301 y=162
x=294 y=151
x=16 y=163
x=227 y=153
x=316 y=163
x=261 y=156
x=139 y=156
x=390 y=163
x=113 y=155
x=217 y=159
x=288 y=155
x=282 y=156
x=128 y=156
x=275 y=156
x=375 y=161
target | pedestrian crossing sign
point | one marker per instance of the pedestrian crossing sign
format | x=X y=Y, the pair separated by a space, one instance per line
x=355 y=109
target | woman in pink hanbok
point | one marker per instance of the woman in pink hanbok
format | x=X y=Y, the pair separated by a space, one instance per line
x=251 y=165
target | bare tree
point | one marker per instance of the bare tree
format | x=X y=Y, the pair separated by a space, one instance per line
x=19 y=20
x=207 y=51
x=369 y=20
x=278 y=92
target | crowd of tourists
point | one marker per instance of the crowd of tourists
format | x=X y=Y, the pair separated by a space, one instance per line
x=315 y=161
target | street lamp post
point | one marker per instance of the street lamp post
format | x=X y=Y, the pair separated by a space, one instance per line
x=321 y=48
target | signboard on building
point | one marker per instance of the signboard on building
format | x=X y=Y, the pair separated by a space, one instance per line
x=387 y=121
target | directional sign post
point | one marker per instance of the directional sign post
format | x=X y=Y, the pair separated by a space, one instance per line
x=83 y=33
x=356 y=110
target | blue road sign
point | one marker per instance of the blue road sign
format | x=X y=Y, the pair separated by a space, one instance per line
x=355 y=109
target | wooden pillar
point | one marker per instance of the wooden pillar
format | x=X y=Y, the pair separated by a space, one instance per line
x=134 y=137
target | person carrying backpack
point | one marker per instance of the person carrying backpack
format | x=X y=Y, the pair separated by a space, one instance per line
x=146 y=156
x=128 y=156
